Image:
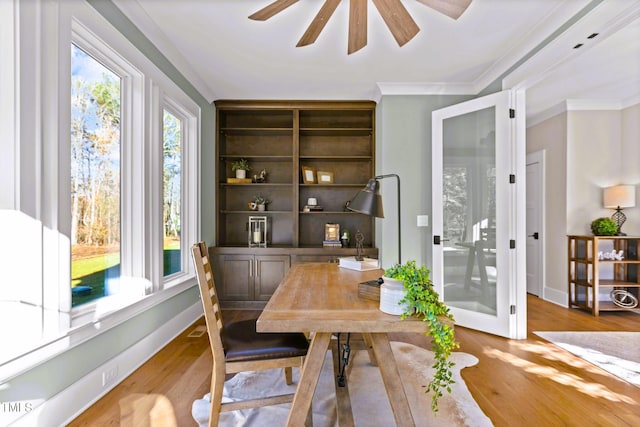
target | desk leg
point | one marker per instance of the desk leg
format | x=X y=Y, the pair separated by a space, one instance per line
x=392 y=381
x=308 y=379
x=343 y=401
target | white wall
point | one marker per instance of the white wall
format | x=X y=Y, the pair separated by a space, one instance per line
x=594 y=147
x=585 y=151
x=550 y=135
x=630 y=163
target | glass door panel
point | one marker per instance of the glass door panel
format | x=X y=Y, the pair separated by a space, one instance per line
x=469 y=211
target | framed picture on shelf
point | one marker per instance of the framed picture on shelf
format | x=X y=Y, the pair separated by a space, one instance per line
x=325 y=177
x=332 y=232
x=308 y=175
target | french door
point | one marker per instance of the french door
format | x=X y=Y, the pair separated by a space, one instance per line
x=479 y=247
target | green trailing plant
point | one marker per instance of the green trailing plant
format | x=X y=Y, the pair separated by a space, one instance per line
x=421 y=299
x=604 y=227
x=241 y=164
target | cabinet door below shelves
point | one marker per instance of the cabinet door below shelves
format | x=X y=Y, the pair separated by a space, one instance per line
x=236 y=278
x=270 y=270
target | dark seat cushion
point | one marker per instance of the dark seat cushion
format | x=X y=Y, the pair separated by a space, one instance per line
x=241 y=343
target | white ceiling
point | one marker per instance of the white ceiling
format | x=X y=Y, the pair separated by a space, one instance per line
x=225 y=55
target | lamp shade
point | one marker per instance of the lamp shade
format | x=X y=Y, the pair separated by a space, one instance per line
x=619 y=196
x=368 y=201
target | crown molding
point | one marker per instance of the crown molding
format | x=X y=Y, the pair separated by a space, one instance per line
x=390 y=88
x=147 y=26
x=582 y=105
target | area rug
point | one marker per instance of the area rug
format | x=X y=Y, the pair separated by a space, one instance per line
x=368 y=397
x=616 y=352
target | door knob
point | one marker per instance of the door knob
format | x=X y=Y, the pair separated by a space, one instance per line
x=534 y=235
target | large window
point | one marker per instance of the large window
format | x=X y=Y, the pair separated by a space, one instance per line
x=101 y=169
x=95 y=178
x=172 y=174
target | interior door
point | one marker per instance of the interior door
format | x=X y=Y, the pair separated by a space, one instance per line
x=478 y=170
x=535 y=218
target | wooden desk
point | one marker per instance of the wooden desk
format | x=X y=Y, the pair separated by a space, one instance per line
x=323 y=298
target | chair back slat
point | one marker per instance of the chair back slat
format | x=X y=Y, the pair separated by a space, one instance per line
x=209 y=297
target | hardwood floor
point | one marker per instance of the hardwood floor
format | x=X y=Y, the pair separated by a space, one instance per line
x=516 y=382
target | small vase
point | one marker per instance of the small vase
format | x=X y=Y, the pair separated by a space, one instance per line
x=391 y=292
x=262 y=207
x=241 y=173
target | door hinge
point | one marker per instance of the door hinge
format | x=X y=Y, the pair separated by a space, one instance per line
x=512 y=113
x=512 y=179
x=512 y=309
x=512 y=244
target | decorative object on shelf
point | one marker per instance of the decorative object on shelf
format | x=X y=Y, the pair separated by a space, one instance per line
x=619 y=197
x=258 y=231
x=359 y=240
x=241 y=167
x=332 y=236
x=604 y=227
x=332 y=232
x=261 y=202
x=613 y=255
x=262 y=177
x=325 y=177
x=308 y=175
x=368 y=201
x=238 y=180
x=420 y=299
x=345 y=238
x=623 y=298
x=312 y=201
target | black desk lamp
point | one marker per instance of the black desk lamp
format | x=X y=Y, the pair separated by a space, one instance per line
x=368 y=201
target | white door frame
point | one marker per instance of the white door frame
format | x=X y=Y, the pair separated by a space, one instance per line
x=510 y=319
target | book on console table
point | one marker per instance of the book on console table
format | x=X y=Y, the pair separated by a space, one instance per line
x=364 y=265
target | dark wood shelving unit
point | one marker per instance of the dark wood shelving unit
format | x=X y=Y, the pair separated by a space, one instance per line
x=281 y=137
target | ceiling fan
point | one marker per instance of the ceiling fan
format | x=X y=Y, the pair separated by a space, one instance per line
x=394 y=14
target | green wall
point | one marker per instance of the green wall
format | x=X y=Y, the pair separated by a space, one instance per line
x=403 y=146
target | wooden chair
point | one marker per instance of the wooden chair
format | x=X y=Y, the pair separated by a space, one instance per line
x=237 y=347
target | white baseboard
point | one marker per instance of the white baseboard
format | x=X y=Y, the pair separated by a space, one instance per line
x=555 y=296
x=75 y=399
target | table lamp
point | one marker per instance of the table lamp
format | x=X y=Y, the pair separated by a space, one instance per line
x=619 y=197
x=368 y=201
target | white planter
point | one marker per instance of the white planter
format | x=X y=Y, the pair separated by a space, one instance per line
x=241 y=173
x=262 y=207
x=391 y=292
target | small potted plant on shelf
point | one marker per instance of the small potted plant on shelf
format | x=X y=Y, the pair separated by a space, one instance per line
x=420 y=299
x=604 y=227
x=240 y=167
x=261 y=202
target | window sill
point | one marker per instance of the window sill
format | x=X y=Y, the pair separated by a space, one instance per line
x=34 y=344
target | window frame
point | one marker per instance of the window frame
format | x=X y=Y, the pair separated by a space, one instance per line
x=38 y=73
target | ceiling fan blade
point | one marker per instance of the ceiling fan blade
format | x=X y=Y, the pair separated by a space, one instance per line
x=451 y=8
x=394 y=14
x=357 y=25
x=318 y=23
x=270 y=10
